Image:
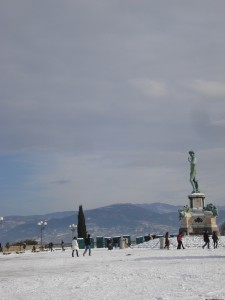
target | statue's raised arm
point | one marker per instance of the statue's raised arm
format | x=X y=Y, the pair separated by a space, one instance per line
x=192 y=159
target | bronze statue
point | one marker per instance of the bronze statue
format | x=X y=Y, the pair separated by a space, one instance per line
x=192 y=159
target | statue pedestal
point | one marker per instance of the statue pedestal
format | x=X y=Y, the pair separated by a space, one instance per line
x=197 y=219
x=197 y=200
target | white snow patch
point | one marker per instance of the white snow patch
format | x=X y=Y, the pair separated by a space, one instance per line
x=141 y=272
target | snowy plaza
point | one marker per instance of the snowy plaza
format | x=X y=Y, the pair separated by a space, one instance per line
x=141 y=272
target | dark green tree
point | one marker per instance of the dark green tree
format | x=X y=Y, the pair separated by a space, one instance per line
x=81 y=227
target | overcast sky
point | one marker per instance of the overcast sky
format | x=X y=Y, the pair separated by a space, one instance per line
x=101 y=101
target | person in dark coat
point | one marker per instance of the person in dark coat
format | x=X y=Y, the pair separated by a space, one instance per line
x=87 y=245
x=63 y=246
x=179 y=241
x=109 y=244
x=206 y=239
x=7 y=246
x=50 y=247
x=167 y=242
x=215 y=239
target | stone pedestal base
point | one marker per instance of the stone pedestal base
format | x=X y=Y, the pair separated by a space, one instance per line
x=197 y=220
x=197 y=200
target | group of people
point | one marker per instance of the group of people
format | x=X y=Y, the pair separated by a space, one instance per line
x=75 y=246
x=6 y=245
x=87 y=241
x=205 y=238
x=50 y=246
x=179 y=241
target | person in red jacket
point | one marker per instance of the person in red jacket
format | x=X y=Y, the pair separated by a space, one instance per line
x=179 y=241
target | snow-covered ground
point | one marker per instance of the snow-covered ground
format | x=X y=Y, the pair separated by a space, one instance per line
x=141 y=272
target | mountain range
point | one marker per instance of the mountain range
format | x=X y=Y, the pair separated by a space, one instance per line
x=108 y=221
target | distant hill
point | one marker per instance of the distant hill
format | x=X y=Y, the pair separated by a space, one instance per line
x=160 y=208
x=113 y=220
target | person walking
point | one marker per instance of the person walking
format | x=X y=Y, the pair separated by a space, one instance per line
x=63 y=246
x=109 y=244
x=167 y=242
x=50 y=247
x=7 y=246
x=87 y=245
x=206 y=239
x=179 y=241
x=75 y=247
x=215 y=239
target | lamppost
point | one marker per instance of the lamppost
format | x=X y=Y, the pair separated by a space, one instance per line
x=42 y=225
x=73 y=228
x=1 y=220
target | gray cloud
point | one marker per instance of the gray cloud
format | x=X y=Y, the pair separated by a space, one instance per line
x=135 y=84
